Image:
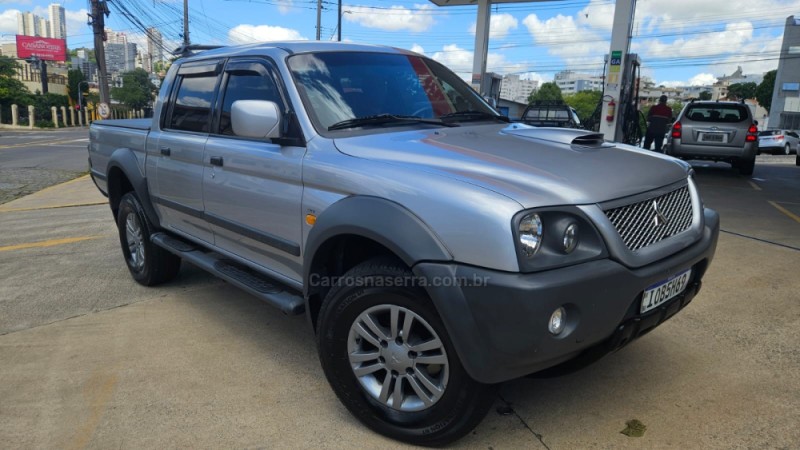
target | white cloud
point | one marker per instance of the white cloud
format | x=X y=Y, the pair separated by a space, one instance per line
x=598 y=14
x=499 y=25
x=243 y=34
x=683 y=14
x=459 y=60
x=394 y=18
x=285 y=6
x=417 y=49
x=563 y=37
x=732 y=39
x=702 y=79
x=8 y=21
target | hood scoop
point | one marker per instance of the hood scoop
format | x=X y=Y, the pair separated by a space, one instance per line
x=577 y=139
x=589 y=140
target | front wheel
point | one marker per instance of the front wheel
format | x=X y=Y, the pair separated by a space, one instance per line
x=148 y=263
x=388 y=357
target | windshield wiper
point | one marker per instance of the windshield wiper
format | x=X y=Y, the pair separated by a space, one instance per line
x=474 y=115
x=382 y=119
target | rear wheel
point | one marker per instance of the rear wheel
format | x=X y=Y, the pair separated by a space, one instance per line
x=388 y=357
x=746 y=166
x=148 y=263
x=797 y=159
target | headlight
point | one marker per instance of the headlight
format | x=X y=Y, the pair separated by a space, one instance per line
x=530 y=234
x=571 y=238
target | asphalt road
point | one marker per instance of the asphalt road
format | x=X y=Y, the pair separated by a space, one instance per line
x=33 y=160
x=91 y=359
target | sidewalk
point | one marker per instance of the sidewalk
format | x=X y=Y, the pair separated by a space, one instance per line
x=78 y=192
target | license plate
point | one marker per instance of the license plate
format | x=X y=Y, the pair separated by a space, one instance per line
x=663 y=291
x=708 y=137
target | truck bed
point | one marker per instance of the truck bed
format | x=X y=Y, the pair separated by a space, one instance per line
x=108 y=136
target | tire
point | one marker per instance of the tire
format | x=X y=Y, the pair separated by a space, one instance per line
x=787 y=150
x=746 y=167
x=148 y=263
x=448 y=412
x=797 y=159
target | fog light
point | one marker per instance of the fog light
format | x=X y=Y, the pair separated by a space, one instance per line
x=570 y=240
x=558 y=320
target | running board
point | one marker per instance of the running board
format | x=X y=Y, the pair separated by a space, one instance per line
x=234 y=273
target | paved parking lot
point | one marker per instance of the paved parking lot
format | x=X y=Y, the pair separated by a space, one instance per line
x=90 y=359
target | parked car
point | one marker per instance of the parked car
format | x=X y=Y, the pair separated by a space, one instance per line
x=436 y=249
x=551 y=114
x=716 y=131
x=778 y=141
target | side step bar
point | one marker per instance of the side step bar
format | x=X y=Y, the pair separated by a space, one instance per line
x=234 y=273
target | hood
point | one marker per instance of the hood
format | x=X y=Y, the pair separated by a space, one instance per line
x=534 y=166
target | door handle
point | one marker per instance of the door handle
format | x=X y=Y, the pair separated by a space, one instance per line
x=216 y=161
x=165 y=151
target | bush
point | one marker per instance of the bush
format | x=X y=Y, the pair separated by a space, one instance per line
x=44 y=124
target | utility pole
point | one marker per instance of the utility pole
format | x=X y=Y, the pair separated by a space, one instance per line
x=319 y=17
x=97 y=19
x=339 y=24
x=186 y=40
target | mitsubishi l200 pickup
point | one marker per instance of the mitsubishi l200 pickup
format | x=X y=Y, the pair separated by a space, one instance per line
x=436 y=248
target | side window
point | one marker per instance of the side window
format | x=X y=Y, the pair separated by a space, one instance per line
x=192 y=108
x=246 y=85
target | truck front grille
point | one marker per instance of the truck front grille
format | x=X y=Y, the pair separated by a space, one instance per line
x=644 y=223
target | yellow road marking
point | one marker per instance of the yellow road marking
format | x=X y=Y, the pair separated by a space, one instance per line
x=35 y=143
x=49 y=243
x=755 y=186
x=788 y=213
x=70 y=205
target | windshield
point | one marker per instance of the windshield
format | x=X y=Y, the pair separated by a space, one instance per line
x=339 y=86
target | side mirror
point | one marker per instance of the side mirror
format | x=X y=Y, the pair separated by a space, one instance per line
x=256 y=119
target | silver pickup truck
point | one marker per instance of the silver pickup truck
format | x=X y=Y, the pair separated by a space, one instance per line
x=436 y=248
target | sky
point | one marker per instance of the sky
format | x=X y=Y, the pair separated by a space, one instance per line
x=680 y=42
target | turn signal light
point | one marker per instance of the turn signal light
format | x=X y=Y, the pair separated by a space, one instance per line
x=676 y=130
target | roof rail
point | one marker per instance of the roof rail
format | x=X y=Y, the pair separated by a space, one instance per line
x=188 y=50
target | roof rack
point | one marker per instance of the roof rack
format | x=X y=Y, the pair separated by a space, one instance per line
x=188 y=50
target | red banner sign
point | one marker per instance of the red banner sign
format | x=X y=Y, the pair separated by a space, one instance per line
x=43 y=48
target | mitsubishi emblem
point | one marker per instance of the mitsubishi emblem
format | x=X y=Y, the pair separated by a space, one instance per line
x=659 y=218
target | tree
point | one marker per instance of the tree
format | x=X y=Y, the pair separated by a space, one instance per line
x=742 y=91
x=75 y=83
x=765 y=89
x=705 y=95
x=136 y=91
x=547 y=91
x=12 y=90
x=584 y=102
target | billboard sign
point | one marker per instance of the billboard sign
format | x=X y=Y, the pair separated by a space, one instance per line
x=43 y=48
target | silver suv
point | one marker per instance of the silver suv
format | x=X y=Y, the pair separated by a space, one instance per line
x=716 y=131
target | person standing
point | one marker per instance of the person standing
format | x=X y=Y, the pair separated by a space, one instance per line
x=658 y=119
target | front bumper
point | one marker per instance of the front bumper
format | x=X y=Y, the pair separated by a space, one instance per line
x=498 y=320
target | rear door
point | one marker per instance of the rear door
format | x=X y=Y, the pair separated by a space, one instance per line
x=253 y=187
x=717 y=124
x=179 y=149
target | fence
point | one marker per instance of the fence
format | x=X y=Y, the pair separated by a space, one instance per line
x=60 y=117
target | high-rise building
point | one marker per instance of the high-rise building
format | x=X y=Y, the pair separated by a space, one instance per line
x=785 y=109
x=155 y=45
x=28 y=24
x=113 y=37
x=44 y=27
x=58 y=22
x=571 y=82
x=120 y=57
x=516 y=89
